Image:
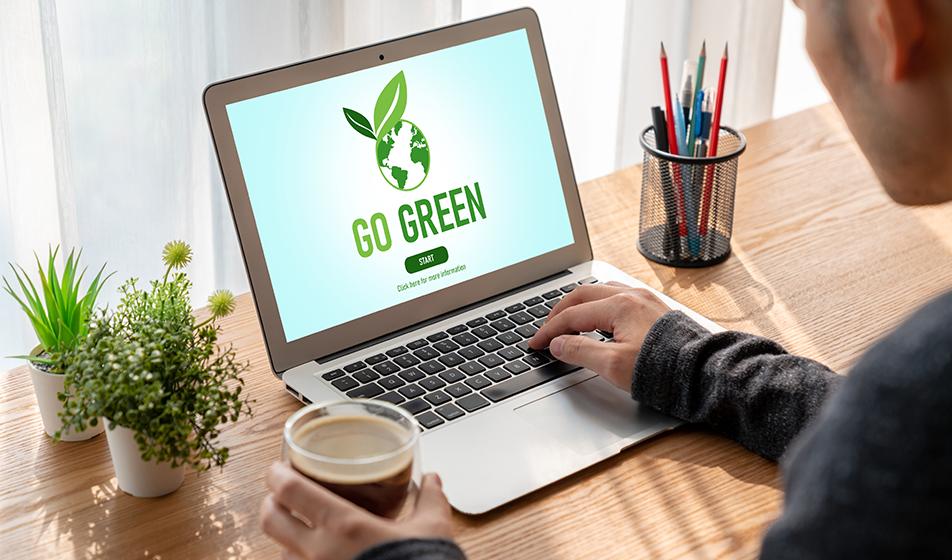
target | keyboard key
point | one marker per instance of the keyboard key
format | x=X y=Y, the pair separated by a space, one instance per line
x=533 y=301
x=411 y=391
x=510 y=353
x=552 y=294
x=457 y=329
x=517 y=367
x=432 y=383
x=498 y=374
x=588 y=280
x=472 y=368
x=485 y=332
x=491 y=360
x=449 y=411
x=470 y=353
x=425 y=353
x=515 y=307
x=411 y=374
x=446 y=346
x=521 y=318
x=351 y=368
x=478 y=382
x=386 y=368
x=429 y=420
x=496 y=315
x=367 y=391
x=539 y=311
x=406 y=360
x=392 y=397
x=457 y=390
x=418 y=343
x=391 y=382
x=375 y=359
x=344 y=384
x=333 y=374
x=472 y=402
x=509 y=338
x=606 y=334
x=524 y=346
x=528 y=380
x=476 y=322
x=465 y=339
x=535 y=359
x=437 y=398
x=538 y=324
x=437 y=336
x=568 y=288
x=451 y=360
x=552 y=302
x=397 y=351
x=431 y=367
x=452 y=375
x=490 y=345
x=502 y=325
x=366 y=376
x=526 y=331
x=415 y=406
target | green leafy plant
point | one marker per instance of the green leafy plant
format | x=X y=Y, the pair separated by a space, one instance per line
x=153 y=367
x=60 y=315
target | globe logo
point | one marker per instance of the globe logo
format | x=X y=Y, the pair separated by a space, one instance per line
x=401 y=151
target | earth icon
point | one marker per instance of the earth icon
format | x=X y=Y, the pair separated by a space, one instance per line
x=403 y=156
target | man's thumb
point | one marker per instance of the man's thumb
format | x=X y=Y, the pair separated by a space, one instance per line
x=431 y=500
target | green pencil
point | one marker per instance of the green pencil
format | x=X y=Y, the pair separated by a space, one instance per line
x=697 y=87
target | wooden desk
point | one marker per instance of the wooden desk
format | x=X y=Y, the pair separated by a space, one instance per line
x=823 y=262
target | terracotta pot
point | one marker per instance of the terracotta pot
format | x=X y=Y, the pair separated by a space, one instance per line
x=143 y=479
x=47 y=386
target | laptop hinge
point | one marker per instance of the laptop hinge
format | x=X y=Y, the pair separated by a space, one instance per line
x=438 y=318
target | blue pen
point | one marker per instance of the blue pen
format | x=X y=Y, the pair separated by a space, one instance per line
x=693 y=186
x=680 y=131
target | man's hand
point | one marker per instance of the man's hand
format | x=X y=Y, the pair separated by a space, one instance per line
x=626 y=312
x=335 y=528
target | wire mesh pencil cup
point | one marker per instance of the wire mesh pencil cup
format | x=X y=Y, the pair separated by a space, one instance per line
x=687 y=203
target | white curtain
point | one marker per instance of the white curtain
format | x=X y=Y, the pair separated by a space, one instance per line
x=103 y=141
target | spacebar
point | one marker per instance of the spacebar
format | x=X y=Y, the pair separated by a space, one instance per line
x=528 y=380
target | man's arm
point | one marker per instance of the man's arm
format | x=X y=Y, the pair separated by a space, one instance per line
x=746 y=387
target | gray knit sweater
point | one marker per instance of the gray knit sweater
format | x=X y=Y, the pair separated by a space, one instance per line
x=868 y=473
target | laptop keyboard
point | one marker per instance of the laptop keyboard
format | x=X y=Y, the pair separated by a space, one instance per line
x=449 y=374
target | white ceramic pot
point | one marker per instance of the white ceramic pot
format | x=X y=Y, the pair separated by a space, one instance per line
x=143 y=479
x=47 y=386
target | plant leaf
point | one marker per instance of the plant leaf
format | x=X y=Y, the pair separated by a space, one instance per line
x=359 y=122
x=390 y=104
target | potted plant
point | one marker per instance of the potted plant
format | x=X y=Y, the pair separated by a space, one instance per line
x=157 y=377
x=60 y=318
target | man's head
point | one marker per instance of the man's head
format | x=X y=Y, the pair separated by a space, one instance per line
x=888 y=67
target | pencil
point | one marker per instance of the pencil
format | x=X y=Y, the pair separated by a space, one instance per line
x=712 y=148
x=699 y=81
x=673 y=146
x=670 y=243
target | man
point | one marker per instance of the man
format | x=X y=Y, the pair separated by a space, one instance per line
x=871 y=474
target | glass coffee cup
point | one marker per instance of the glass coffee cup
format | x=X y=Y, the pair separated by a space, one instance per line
x=363 y=450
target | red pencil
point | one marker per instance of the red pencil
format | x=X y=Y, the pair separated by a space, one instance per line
x=712 y=149
x=673 y=144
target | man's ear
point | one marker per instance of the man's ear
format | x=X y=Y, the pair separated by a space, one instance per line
x=900 y=25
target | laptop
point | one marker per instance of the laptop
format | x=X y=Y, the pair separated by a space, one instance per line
x=408 y=215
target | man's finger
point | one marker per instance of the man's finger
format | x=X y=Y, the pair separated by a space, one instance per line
x=584 y=317
x=584 y=294
x=431 y=501
x=278 y=523
x=582 y=351
x=297 y=493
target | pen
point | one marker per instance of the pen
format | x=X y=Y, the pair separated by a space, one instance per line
x=687 y=94
x=712 y=150
x=670 y=239
x=679 y=195
x=679 y=130
x=699 y=81
x=692 y=187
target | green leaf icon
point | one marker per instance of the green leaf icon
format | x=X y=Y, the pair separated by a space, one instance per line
x=359 y=122
x=390 y=104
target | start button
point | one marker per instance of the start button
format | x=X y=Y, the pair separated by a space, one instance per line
x=426 y=259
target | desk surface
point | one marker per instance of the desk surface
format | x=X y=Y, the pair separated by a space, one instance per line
x=823 y=262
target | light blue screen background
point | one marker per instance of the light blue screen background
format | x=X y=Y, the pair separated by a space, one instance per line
x=310 y=175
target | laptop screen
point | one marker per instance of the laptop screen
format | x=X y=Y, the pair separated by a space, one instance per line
x=384 y=185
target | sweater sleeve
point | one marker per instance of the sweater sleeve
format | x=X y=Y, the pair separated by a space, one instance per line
x=746 y=387
x=414 y=549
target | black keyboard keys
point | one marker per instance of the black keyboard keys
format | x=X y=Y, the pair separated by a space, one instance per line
x=498 y=374
x=526 y=331
x=386 y=368
x=391 y=382
x=411 y=391
x=510 y=353
x=521 y=318
x=415 y=406
x=418 y=343
x=552 y=302
x=499 y=314
x=451 y=360
x=406 y=360
x=552 y=294
x=528 y=380
x=515 y=307
x=478 y=382
x=436 y=398
x=375 y=359
x=539 y=311
x=453 y=375
x=431 y=367
x=465 y=339
x=470 y=353
x=449 y=411
x=351 y=368
x=485 y=332
x=397 y=351
x=476 y=322
x=472 y=368
x=429 y=420
x=366 y=376
x=437 y=336
x=411 y=374
x=344 y=384
x=446 y=346
x=457 y=329
x=509 y=338
x=568 y=288
x=490 y=345
x=491 y=360
x=533 y=301
x=502 y=324
x=469 y=403
x=432 y=383
x=535 y=359
x=392 y=397
x=517 y=367
x=333 y=374
x=425 y=353
x=457 y=390
x=367 y=391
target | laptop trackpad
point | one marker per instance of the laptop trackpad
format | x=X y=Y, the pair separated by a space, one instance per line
x=586 y=417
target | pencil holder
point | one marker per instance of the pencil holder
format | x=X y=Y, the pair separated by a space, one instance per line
x=687 y=203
